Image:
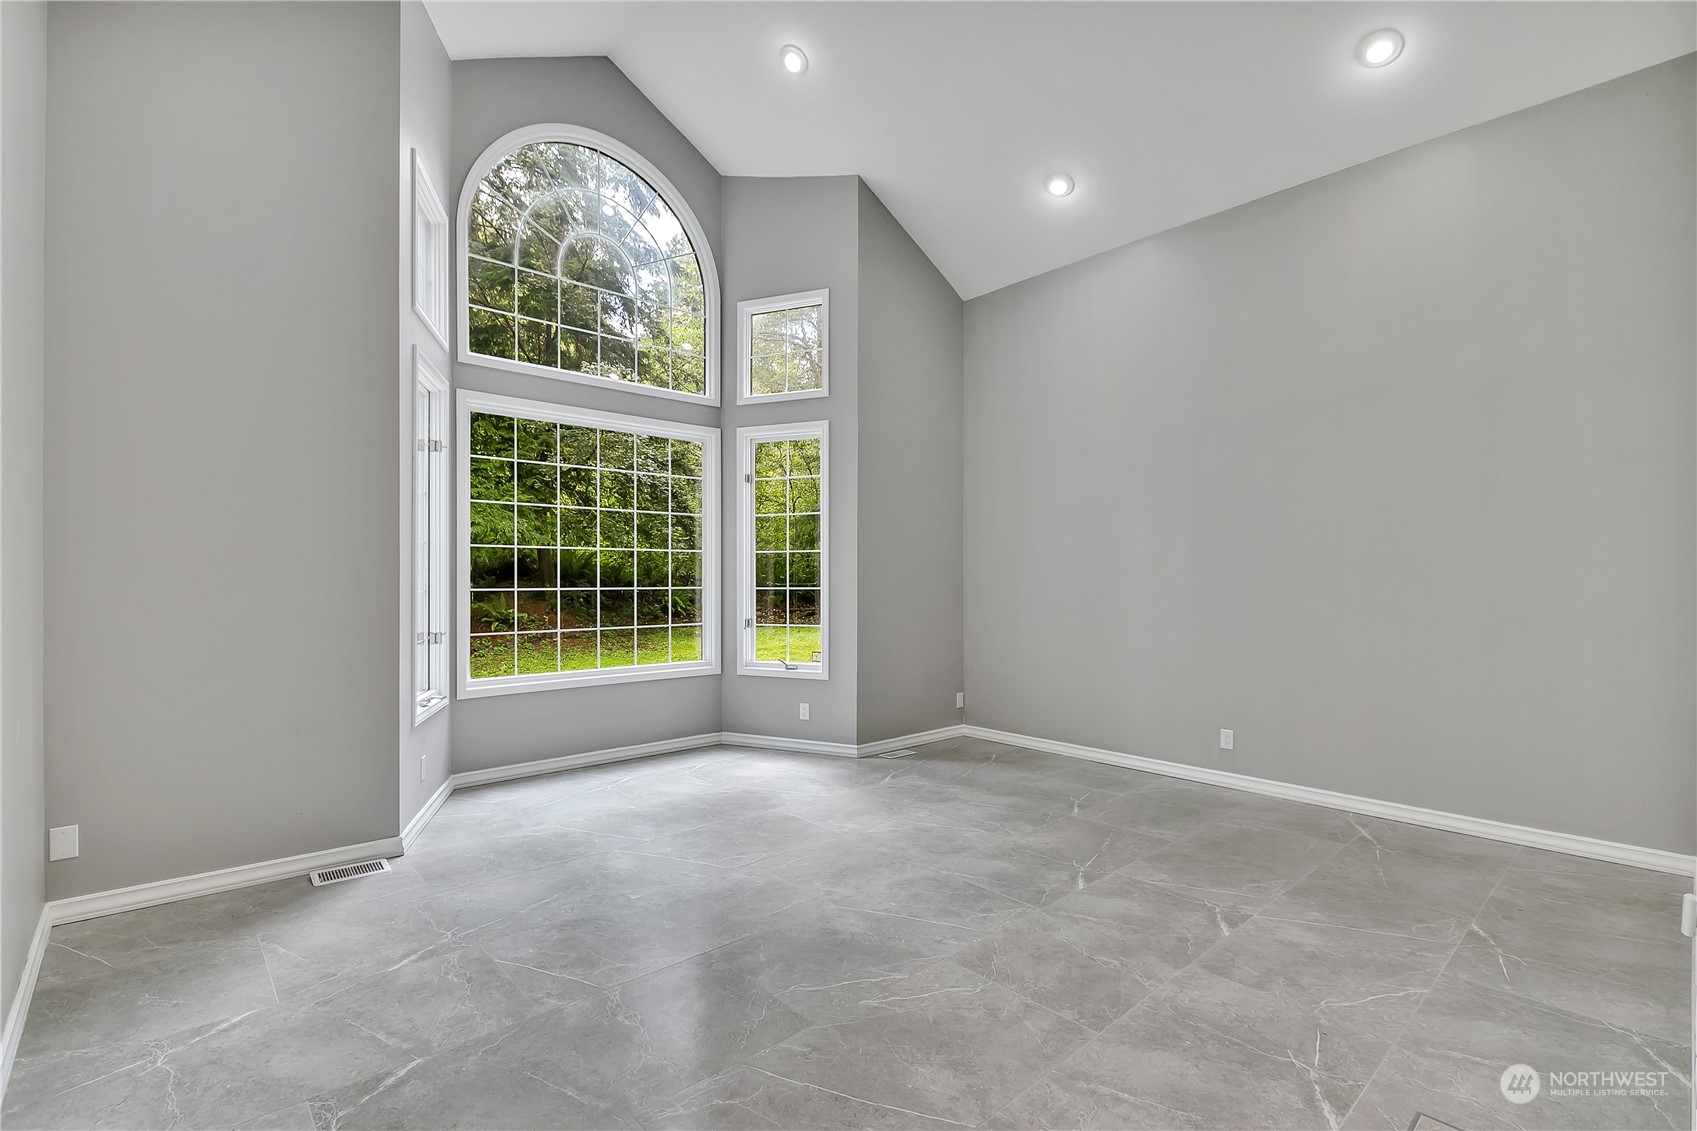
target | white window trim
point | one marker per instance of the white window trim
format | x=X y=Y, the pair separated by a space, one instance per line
x=427 y=379
x=471 y=401
x=578 y=135
x=432 y=279
x=747 y=438
x=747 y=309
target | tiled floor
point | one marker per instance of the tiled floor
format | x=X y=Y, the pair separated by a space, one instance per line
x=975 y=936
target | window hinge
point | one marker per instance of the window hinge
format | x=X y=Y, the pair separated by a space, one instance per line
x=747 y=478
x=435 y=637
x=421 y=444
x=420 y=638
x=435 y=445
x=749 y=623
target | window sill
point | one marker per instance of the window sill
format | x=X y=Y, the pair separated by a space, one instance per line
x=805 y=671
x=514 y=685
x=422 y=713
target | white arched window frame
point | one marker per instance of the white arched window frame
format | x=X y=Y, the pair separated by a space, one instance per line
x=631 y=159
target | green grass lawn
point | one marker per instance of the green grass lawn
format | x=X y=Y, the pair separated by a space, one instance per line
x=797 y=645
x=542 y=652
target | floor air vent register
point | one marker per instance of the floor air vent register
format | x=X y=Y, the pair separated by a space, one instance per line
x=347 y=872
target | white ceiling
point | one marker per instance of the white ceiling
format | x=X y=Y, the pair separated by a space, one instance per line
x=1163 y=112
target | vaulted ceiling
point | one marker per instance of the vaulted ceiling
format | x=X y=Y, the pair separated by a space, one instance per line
x=1163 y=112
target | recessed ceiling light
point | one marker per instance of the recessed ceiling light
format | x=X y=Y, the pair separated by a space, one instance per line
x=793 y=58
x=1380 y=48
x=1058 y=184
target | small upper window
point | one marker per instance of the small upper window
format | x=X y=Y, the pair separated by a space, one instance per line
x=578 y=264
x=782 y=348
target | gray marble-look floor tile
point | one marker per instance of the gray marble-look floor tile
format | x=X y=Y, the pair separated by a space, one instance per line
x=577 y=1066
x=825 y=961
x=943 y=1043
x=445 y=996
x=705 y=1015
x=204 y=1076
x=1004 y=863
x=609 y=933
x=1279 y=1025
x=875 y=880
x=864 y=932
x=1169 y=808
x=1316 y=821
x=1373 y=887
x=748 y=1099
x=469 y=843
x=1449 y=1062
x=1593 y=944
x=1101 y=775
x=81 y=1001
x=1251 y=863
x=736 y=841
x=1096 y=953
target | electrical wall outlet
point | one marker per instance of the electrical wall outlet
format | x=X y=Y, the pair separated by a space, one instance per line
x=804 y=709
x=960 y=699
x=1225 y=740
x=62 y=842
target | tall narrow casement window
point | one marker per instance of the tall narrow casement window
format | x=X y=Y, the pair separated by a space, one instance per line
x=589 y=549
x=582 y=262
x=782 y=550
x=781 y=347
x=429 y=253
x=429 y=539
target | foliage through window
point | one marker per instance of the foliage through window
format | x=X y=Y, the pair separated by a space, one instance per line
x=783 y=349
x=576 y=263
x=783 y=549
x=590 y=545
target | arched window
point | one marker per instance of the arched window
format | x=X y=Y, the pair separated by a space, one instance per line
x=582 y=260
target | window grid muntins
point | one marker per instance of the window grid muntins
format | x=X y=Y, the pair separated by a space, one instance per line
x=787 y=540
x=786 y=353
x=586 y=548
x=576 y=263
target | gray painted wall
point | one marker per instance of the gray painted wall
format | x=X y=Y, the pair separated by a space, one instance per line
x=221 y=478
x=23 y=124
x=910 y=601
x=492 y=97
x=427 y=112
x=1392 y=473
x=788 y=234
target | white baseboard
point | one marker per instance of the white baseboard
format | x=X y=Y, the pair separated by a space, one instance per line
x=99 y=903
x=1570 y=843
x=427 y=811
x=15 y=1016
x=575 y=761
x=870 y=749
x=795 y=745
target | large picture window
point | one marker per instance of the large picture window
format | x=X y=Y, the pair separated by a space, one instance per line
x=589 y=547
x=782 y=518
x=581 y=262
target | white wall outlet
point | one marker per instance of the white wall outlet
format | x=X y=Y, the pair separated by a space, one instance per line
x=960 y=699
x=62 y=842
x=804 y=709
x=1225 y=740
